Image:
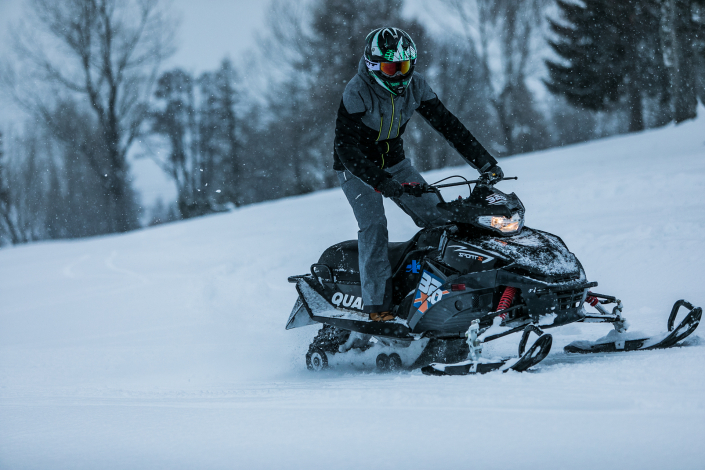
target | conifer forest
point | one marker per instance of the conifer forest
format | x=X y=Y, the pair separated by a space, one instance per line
x=522 y=75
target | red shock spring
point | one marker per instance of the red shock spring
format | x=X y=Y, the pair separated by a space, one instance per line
x=592 y=300
x=506 y=301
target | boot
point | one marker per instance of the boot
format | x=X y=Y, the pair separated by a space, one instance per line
x=381 y=316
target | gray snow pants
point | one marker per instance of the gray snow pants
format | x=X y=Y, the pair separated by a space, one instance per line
x=373 y=239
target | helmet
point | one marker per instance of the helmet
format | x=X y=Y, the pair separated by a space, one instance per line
x=390 y=56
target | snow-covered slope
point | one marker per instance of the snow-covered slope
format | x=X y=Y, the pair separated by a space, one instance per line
x=166 y=348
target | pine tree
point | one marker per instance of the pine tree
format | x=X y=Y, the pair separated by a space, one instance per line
x=222 y=169
x=198 y=119
x=610 y=51
x=682 y=35
x=325 y=53
x=699 y=45
x=9 y=230
x=5 y=231
x=175 y=118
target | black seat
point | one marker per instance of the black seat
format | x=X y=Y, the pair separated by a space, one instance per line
x=398 y=250
x=343 y=258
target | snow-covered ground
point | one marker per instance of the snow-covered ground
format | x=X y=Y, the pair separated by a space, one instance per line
x=166 y=348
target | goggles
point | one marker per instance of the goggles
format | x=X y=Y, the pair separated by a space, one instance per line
x=390 y=69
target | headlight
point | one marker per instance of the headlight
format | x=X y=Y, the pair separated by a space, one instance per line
x=502 y=223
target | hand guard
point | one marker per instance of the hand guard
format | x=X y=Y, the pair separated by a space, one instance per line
x=390 y=188
x=494 y=174
x=415 y=189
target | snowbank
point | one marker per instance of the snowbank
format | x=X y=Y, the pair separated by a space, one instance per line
x=166 y=348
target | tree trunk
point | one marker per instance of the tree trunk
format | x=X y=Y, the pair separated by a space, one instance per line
x=118 y=191
x=122 y=216
x=677 y=42
x=505 y=119
x=636 y=108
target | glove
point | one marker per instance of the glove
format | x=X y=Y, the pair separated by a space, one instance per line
x=390 y=188
x=414 y=189
x=494 y=174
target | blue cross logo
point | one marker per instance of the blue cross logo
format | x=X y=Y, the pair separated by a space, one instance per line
x=414 y=267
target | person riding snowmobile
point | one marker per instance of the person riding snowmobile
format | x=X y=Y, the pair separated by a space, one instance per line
x=369 y=155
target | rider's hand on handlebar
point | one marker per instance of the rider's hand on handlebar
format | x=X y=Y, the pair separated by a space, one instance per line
x=494 y=174
x=415 y=189
x=390 y=188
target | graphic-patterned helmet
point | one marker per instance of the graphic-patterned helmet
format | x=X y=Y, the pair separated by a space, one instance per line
x=390 y=56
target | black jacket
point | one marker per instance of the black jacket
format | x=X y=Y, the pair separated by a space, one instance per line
x=371 y=122
x=358 y=149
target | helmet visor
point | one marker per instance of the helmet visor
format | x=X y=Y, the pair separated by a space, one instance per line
x=390 y=69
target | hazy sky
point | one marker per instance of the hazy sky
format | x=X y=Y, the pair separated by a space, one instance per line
x=213 y=29
x=9 y=11
x=209 y=30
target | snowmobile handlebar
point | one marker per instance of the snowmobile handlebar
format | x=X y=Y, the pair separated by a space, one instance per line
x=477 y=181
x=418 y=190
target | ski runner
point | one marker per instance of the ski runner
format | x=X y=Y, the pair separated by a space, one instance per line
x=369 y=154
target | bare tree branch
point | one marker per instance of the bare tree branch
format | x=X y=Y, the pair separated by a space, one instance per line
x=107 y=52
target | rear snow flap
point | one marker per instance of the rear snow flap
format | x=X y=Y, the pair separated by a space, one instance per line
x=299 y=316
x=320 y=307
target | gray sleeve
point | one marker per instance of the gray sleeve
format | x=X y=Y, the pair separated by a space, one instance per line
x=423 y=89
x=353 y=97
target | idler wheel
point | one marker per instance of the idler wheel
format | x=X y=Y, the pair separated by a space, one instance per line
x=395 y=362
x=316 y=360
x=382 y=362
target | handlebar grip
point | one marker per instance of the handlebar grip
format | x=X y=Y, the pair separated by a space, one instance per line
x=417 y=189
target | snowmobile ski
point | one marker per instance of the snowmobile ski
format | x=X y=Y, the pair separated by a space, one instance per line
x=615 y=342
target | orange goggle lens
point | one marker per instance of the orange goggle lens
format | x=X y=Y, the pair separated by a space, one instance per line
x=391 y=68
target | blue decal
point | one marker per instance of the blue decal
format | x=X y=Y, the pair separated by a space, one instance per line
x=428 y=292
x=414 y=267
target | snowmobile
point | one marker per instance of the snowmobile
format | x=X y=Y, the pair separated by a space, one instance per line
x=456 y=287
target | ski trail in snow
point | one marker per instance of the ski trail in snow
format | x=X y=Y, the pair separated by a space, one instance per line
x=167 y=348
x=109 y=263
x=68 y=269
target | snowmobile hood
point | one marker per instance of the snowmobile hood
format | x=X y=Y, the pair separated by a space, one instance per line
x=542 y=255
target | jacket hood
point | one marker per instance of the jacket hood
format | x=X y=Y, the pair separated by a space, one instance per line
x=369 y=81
